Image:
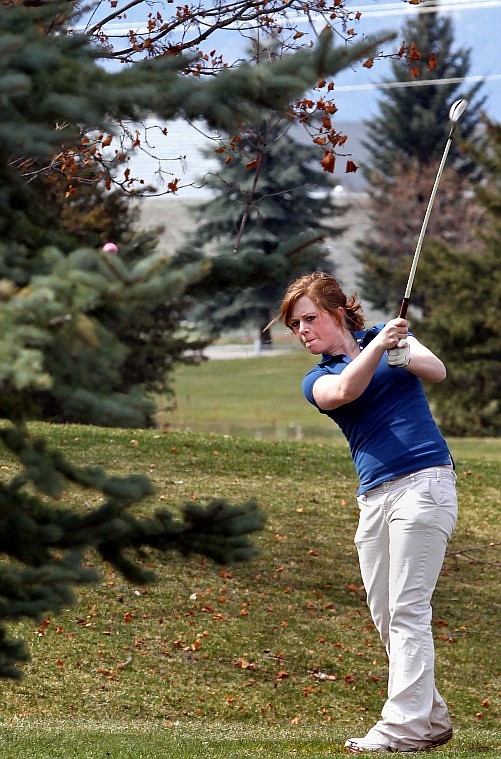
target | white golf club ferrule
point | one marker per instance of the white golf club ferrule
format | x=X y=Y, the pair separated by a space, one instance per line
x=456 y=111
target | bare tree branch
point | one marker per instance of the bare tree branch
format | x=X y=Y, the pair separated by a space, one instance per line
x=465 y=553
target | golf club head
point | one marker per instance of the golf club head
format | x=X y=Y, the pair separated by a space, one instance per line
x=457 y=110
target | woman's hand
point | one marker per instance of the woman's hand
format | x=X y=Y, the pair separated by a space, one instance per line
x=392 y=333
x=399 y=356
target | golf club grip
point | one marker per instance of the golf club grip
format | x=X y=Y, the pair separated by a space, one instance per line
x=403 y=308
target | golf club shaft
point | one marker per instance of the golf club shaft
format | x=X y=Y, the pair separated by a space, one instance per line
x=417 y=253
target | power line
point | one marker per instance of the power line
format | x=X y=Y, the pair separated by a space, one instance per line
x=396 y=9
x=367 y=11
x=414 y=83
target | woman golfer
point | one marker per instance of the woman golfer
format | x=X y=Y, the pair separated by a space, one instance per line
x=369 y=383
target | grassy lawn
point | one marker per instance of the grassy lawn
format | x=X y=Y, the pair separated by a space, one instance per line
x=275 y=658
x=260 y=397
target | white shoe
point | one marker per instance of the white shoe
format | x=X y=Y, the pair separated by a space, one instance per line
x=363 y=745
x=370 y=746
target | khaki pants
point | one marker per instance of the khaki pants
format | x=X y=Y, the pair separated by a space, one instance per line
x=401 y=539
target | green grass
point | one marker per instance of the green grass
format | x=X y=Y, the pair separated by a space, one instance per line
x=141 y=740
x=275 y=658
x=260 y=397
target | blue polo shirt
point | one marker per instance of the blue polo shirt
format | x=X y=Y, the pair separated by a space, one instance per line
x=389 y=427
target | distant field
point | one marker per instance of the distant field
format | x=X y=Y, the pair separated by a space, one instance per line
x=261 y=398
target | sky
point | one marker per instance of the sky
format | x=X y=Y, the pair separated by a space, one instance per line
x=477 y=25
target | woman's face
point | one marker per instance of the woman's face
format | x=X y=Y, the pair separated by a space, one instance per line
x=319 y=331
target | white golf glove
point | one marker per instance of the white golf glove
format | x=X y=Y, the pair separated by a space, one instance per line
x=400 y=355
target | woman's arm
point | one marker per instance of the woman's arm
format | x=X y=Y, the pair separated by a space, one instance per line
x=424 y=364
x=333 y=390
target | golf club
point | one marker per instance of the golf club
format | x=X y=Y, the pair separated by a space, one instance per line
x=456 y=111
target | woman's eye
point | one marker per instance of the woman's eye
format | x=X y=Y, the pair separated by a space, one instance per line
x=294 y=325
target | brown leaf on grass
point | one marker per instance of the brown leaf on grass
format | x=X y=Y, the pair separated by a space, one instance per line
x=323 y=675
x=441 y=623
x=447 y=638
x=244 y=664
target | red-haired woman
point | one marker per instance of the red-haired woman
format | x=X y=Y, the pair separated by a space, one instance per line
x=370 y=383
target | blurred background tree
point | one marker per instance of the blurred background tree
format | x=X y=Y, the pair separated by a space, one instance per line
x=405 y=146
x=270 y=201
x=462 y=297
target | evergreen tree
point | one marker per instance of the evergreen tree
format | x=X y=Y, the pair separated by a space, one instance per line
x=53 y=303
x=405 y=144
x=412 y=121
x=270 y=201
x=463 y=293
x=142 y=349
